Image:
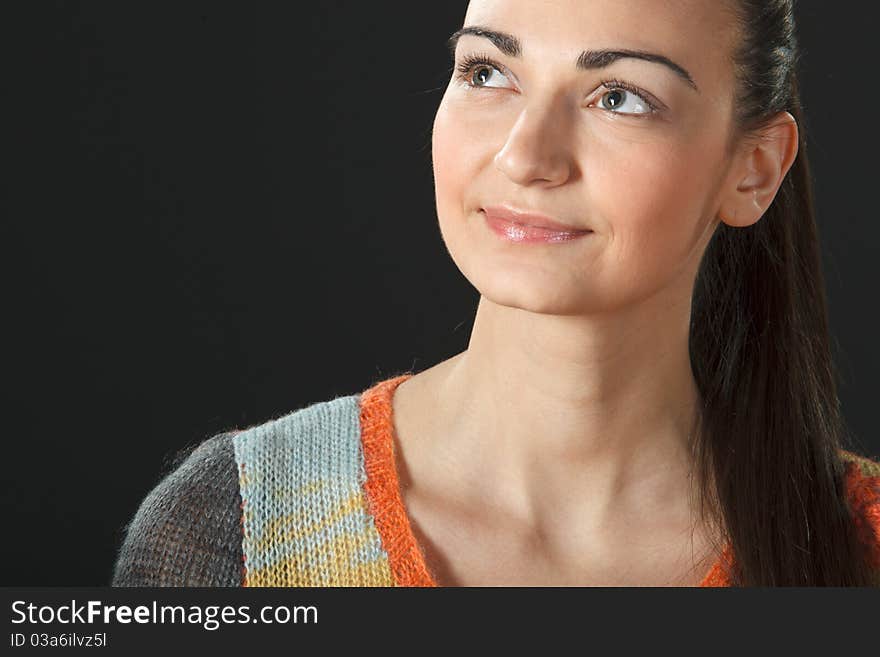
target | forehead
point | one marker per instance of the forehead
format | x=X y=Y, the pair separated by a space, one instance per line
x=698 y=34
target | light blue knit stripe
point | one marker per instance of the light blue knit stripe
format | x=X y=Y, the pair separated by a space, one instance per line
x=318 y=445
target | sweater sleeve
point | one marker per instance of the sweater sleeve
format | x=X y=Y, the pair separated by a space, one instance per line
x=187 y=531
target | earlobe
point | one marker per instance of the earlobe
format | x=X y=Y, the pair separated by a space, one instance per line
x=766 y=161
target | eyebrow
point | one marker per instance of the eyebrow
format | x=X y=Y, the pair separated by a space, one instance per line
x=586 y=61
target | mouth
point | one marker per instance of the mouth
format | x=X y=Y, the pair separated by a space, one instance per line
x=500 y=214
x=515 y=231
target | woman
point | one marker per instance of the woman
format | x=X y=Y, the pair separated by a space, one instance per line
x=647 y=397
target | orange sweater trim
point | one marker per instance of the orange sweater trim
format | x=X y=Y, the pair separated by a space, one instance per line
x=862 y=476
x=719 y=573
x=383 y=488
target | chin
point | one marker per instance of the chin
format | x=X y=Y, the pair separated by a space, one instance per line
x=531 y=295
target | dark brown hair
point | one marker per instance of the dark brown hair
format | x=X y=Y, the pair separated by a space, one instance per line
x=769 y=424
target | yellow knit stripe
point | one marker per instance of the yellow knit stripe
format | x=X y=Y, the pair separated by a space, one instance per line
x=290 y=528
x=332 y=563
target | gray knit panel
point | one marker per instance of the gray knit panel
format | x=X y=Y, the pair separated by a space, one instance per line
x=187 y=531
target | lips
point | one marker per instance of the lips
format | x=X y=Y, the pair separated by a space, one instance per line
x=533 y=219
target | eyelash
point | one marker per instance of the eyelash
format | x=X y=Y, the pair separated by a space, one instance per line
x=471 y=61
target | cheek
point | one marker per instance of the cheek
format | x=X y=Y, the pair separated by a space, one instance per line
x=449 y=160
x=652 y=198
x=647 y=187
x=456 y=161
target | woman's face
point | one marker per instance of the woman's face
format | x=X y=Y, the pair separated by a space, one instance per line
x=540 y=134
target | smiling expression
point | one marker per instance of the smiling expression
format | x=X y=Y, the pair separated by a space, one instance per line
x=548 y=111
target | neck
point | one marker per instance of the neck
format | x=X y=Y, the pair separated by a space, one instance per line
x=597 y=408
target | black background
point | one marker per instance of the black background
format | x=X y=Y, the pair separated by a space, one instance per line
x=215 y=213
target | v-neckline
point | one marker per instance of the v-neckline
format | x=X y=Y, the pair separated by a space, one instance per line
x=382 y=487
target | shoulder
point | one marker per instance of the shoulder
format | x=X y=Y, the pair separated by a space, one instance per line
x=867 y=467
x=314 y=450
x=187 y=530
x=332 y=422
x=306 y=516
x=862 y=482
x=315 y=442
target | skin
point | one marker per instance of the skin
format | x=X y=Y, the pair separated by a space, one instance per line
x=552 y=451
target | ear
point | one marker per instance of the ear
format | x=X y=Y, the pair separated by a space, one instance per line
x=760 y=167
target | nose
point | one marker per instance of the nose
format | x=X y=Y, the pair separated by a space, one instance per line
x=538 y=147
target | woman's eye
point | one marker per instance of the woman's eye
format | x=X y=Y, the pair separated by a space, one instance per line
x=479 y=73
x=624 y=101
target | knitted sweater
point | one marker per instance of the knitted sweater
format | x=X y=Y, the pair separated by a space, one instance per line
x=312 y=499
